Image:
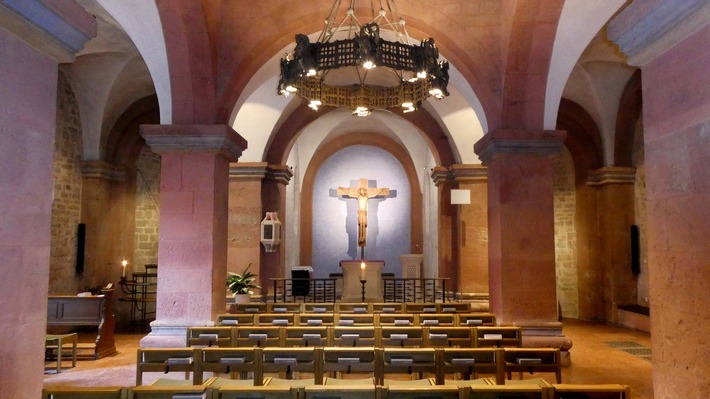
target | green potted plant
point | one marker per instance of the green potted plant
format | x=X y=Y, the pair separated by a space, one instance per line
x=242 y=285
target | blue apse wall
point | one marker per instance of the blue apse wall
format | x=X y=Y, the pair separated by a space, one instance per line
x=335 y=219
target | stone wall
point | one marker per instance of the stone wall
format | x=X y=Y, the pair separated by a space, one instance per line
x=145 y=250
x=565 y=235
x=66 y=206
x=640 y=217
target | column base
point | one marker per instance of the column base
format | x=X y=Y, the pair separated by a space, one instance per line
x=548 y=335
x=169 y=335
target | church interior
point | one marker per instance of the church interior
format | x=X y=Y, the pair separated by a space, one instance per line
x=550 y=168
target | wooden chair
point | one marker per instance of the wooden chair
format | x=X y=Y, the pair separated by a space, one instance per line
x=598 y=391
x=338 y=361
x=84 y=393
x=357 y=391
x=448 y=337
x=533 y=360
x=437 y=319
x=469 y=362
x=398 y=319
x=497 y=337
x=168 y=360
x=276 y=319
x=414 y=362
x=171 y=389
x=287 y=361
x=395 y=336
x=521 y=391
x=360 y=308
x=355 y=319
x=235 y=320
x=281 y=307
x=315 y=319
x=319 y=308
x=421 y=392
x=355 y=336
x=476 y=319
x=259 y=336
x=209 y=336
x=233 y=361
x=307 y=336
x=252 y=308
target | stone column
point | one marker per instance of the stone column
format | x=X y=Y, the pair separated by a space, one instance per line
x=273 y=198
x=448 y=233
x=192 y=254
x=615 y=197
x=521 y=232
x=473 y=236
x=32 y=47
x=674 y=58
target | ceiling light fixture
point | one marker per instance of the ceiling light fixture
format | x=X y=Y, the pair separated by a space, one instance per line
x=351 y=66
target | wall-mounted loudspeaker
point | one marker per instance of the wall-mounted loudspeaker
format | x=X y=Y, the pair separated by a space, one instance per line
x=80 y=243
x=635 y=250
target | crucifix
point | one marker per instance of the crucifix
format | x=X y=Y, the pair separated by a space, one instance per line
x=362 y=193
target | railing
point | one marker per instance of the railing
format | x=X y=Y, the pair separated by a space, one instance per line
x=394 y=289
x=414 y=289
x=309 y=289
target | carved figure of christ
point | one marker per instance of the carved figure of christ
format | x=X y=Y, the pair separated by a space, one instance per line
x=362 y=194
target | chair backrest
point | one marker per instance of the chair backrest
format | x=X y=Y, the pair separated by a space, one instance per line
x=254 y=392
x=448 y=337
x=288 y=360
x=166 y=392
x=387 y=308
x=396 y=336
x=253 y=308
x=168 y=360
x=420 y=392
x=437 y=319
x=209 y=336
x=497 y=336
x=396 y=319
x=363 y=308
x=235 y=320
x=259 y=336
x=407 y=361
x=315 y=319
x=454 y=307
x=355 y=336
x=347 y=360
x=476 y=319
x=340 y=391
x=233 y=360
x=65 y=392
x=469 y=361
x=320 y=308
x=355 y=319
x=307 y=336
x=276 y=319
x=518 y=391
x=421 y=307
x=596 y=391
x=283 y=307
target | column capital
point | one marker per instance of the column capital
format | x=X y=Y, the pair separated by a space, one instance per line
x=219 y=139
x=246 y=171
x=519 y=142
x=440 y=175
x=611 y=175
x=644 y=30
x=280 y=173
x=102 y=170
x=469 y=172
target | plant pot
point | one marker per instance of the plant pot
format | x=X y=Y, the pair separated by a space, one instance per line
x=242 y=298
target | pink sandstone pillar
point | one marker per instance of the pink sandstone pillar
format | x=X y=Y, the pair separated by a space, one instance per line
x=29 y=57
x=192 y=254
x=675 y=59
x=522 y=282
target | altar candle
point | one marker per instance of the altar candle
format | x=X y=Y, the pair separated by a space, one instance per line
x=124 y=263
x=362 y=270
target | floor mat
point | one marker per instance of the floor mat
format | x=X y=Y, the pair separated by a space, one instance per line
x=631 y=347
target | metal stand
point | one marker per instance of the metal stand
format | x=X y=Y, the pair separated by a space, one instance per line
x=363 y=289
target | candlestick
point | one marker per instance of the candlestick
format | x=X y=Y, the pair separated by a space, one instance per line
x=124 y=263
x=362 y=270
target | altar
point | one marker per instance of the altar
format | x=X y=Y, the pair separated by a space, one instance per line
x=353 y=273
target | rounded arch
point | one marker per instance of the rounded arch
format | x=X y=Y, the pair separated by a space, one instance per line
x=630 y=106
x=283 y=139
x=583 y=139
x=124 y=143
x=325 y=152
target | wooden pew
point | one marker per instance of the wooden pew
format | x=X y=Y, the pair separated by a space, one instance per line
x=411 y=361
x=91 y=317
x=307 y=336
x=168 y=360
x=209 y=336
x=497 y=337
x=469 y=362
x=338 y=361
x=533 y=360
x=232 y=361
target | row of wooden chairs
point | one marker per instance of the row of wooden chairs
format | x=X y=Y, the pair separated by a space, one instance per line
x=387 y=336
x=220 y=388
x=321 y=362
x=346 y=307
x=358 y=319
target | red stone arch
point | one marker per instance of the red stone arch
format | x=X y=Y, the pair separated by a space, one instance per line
x=583 y=139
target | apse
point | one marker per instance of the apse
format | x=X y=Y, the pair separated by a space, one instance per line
x=335 y=219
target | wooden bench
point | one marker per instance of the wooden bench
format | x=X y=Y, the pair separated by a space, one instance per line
x=91 y=317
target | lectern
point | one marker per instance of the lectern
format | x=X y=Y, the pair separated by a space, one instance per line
x=353 y=273
x=300 y=285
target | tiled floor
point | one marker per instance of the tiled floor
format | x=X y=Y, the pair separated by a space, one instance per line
x=601 y=354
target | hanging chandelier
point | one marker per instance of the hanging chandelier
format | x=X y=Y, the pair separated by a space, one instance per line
x=351 y=66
